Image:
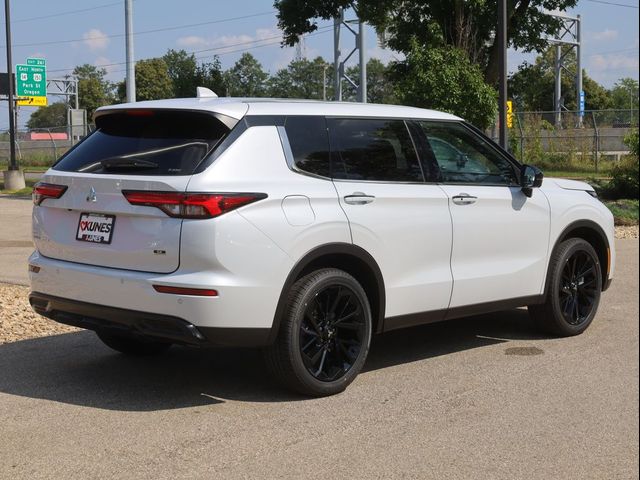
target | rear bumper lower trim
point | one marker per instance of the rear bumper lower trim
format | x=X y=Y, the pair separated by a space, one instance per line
x=143 y=324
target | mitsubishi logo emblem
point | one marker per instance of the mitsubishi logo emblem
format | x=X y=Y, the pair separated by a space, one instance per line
x=92 y=197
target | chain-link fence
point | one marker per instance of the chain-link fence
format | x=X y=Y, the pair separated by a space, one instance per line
x=40 y=147
x=568 y=141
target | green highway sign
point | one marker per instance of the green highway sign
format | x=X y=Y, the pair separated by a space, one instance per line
x=31 y=79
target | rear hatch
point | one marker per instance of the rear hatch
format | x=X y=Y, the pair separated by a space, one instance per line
x=134 y=150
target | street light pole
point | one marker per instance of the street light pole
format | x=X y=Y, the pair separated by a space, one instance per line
x=13 y=164
x=502 y=62
x=131 y=72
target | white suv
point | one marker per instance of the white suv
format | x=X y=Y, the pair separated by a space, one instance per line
x=304 y=227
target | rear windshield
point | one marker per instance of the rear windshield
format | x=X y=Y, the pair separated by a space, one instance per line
x=146 y=142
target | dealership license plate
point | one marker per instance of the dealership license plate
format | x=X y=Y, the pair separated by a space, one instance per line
x=95 y=227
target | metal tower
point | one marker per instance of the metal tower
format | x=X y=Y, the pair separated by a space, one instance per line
x=339 y=62
x=569 y=36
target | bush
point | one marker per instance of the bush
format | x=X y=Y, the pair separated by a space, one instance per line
x=624 y=182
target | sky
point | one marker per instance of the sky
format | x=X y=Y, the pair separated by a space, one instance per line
x=74 y=32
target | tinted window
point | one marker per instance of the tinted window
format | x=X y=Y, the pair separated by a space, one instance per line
x=309 y=144
x=146 y=142
x=373 y=149
x=464 y=157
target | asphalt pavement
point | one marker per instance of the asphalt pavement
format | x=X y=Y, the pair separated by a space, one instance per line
x=483 y=397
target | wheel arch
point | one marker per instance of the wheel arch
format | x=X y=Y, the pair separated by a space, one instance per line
x=594 y=234
x=345 y=256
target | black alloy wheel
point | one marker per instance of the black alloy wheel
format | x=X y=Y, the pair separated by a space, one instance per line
x=573 y=289
x=578 y=287
x=324 y=334
x=332 y=331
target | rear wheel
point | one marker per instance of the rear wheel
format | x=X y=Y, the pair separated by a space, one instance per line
x=574 y=285
x=324 y=336
x=132 y=346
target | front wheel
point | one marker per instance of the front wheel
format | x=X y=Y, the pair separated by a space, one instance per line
x=574 y=285
x=324 y=335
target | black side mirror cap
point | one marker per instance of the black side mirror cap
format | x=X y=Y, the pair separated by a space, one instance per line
x=530 y=177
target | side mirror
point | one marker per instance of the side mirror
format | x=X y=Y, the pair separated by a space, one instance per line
x=530 y=178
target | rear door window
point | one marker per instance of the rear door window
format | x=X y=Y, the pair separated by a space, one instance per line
x=373 y=149
x=146 y=142
x=309 y=144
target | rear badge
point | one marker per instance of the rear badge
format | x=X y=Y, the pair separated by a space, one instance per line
x=92 y=197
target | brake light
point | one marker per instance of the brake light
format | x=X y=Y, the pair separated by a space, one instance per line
x=200 y=292
x=42 y=191
x=192 y=205
x=138 y=112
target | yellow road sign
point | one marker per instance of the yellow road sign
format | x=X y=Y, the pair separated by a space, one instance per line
x=32 y=101
x=509 y=114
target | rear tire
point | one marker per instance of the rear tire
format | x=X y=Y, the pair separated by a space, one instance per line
x=324 y=335
x=574 y=285
x=132 y=346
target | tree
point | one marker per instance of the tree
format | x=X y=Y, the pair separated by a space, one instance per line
x=380 y=89
x=624 y=94
x=301 y=79
x=532 y=86
x=152 y=81
x=93 y=89
x=54 y=115
x=246 y=78
x=210 y=75
x=468 y=25
x=181 y=68
x=444 y=79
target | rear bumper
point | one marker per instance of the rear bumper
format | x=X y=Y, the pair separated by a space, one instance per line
x=143 y=324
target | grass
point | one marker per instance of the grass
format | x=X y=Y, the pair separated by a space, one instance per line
x=625 y=212
x=577 y=175
x=19 y=193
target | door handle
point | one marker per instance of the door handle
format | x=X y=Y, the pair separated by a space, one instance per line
x=358 y=198
x=464 y=199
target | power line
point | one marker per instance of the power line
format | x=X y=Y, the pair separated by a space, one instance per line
x=277 y=38
x=614 y=4
x=143 y=32
x=68 y=12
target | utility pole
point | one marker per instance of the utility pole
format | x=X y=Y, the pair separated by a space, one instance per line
x=131 y=72
x=339 y=62
x=502 y=62
x=13 y=177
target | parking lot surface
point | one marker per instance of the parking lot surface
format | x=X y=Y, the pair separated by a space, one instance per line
x=484 y=397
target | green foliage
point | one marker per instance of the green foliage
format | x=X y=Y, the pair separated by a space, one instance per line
x=624 y=94
x=186 y=74
x=54 y=115
x=152 y=81
x=301 y=79
x=468 y=25
x=624 y=183
x=625 y=212
x=93 y=89
x=379 y=86
x=532 y=86
x=444 y=79
x=246 y=78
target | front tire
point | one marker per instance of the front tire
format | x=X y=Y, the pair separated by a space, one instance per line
x=324 y=335
x=574 y=285
x=132 y=346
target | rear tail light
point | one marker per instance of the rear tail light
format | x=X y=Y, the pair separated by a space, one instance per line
x=42 y=191
x=192 y=205
x=200 y=292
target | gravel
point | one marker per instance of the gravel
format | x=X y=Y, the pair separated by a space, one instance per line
x=18 y=321
x=630 y=231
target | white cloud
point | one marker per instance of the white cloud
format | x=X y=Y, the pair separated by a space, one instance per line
x=614 y=62
x=95 y=40
x=228 y=43
x=606 y=35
